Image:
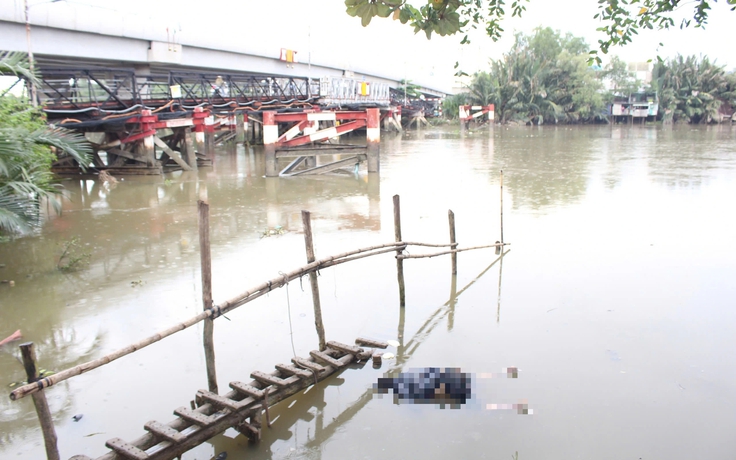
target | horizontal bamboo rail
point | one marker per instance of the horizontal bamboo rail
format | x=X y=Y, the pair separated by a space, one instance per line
x=214 y=312
x=233 y=303
x=453 y=251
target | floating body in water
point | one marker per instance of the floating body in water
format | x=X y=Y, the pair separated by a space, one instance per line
x=442 y=386
x=431 y=385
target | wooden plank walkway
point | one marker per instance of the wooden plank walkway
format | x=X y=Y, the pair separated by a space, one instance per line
x=240 y=408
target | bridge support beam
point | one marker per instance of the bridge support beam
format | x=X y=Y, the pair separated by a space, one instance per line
x=373 y=138
x=239 y=129
x=270 y=138
x=190 y=154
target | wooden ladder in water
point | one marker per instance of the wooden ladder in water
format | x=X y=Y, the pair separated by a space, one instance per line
x=211 y=414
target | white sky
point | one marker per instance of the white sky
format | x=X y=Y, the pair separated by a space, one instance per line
x=322 y=29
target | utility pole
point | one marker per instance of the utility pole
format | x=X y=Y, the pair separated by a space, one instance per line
x=31 y=84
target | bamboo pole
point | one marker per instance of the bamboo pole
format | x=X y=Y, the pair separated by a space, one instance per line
x=39 y=401
x=454 y=251
x=453 y=241
x=222 y=308
x=217 y=310
x=502 y=206
x=500 y=272
x=399 y=261
x=309 y=245
x=209 y=325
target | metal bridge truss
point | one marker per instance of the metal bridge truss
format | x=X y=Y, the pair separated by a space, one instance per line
x=85 y=92
x=89 y=93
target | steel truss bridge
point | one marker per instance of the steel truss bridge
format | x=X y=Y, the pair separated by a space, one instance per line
x=84 y=94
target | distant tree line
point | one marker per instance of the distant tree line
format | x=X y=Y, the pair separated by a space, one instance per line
x=546 y=78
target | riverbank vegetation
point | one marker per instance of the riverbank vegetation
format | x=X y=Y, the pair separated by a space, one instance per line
x=546 y=78
x=27 y=151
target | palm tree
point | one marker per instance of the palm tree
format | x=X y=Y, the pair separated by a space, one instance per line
x=26 y=155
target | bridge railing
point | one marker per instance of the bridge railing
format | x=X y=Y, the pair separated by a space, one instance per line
x=340 y=90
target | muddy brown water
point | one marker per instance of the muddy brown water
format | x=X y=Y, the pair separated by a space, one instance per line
x=615 y=301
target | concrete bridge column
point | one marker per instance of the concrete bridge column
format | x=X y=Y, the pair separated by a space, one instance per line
x=190 y=156
x=270 y=137
x=239 y=129
x=373 y=138
x=209 y=136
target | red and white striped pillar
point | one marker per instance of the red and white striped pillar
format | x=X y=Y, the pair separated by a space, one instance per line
x=198 y=118
x=270 y=138
x=147 y=121
x=373 y=139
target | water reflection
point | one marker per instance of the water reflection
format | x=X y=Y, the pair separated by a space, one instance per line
x=576 y=289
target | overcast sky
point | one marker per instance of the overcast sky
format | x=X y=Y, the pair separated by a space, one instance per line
x=320 y=30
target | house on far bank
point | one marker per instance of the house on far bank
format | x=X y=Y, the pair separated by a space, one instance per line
x=641 y=106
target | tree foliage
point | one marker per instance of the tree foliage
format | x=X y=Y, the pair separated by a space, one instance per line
x=621 y=19
x=26 y=155
x=542 y=79
x=693 y=89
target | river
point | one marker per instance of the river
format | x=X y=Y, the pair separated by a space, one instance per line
x=615 y=299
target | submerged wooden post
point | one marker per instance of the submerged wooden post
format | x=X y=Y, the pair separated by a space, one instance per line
x=453 y=242
x=209 y=325
x=39 y=401
x=502 y=206
x=309 y=244
x=399 y=261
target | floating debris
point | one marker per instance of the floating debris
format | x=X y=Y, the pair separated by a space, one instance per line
x=277 y=230
x=77 y=417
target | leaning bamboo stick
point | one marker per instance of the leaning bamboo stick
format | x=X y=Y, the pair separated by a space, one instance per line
x=225 y=307
x=217 y=310
x=453 y=251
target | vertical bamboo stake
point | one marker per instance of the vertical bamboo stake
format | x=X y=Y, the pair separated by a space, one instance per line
x=399 y=262
x=39 y=400
x=502 y=206
x=209 y=325
x=500 y=272
x=453 y=242
x=309 y=244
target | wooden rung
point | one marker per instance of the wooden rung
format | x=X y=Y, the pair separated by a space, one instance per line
x=246 y=389
x=325 y=358
x=288 y=369
x=126 y=450
x=268 y=379
x=217 y=400
x=197 y=418
x=164 y=431
x=308 y=364
x=344 y=348
x=252 y=432
x=371 y=343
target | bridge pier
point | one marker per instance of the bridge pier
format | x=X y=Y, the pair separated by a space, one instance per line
x=239 y=129
x=270 y=138
x=373 y=138
x=188 y=151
